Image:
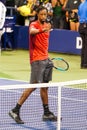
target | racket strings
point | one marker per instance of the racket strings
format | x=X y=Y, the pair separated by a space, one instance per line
x=60 y=64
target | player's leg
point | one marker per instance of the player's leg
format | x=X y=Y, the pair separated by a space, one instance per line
x=47 y=76
x=15 y=112
x=48 y=115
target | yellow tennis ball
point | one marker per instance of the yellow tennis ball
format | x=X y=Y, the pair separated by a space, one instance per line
x=24 y=10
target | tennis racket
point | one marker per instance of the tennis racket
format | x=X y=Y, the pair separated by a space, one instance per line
x=60 y=64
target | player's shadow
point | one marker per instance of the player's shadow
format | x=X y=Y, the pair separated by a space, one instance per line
x=49 y=124
x=25 y=126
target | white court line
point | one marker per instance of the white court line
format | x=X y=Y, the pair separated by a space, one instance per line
x=15 y=80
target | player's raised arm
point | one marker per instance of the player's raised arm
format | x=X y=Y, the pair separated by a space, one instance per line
x=34 y=30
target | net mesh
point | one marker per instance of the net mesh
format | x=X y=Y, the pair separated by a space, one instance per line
x=66 y=99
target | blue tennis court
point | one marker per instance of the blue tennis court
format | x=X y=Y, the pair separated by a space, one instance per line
x=73 y=108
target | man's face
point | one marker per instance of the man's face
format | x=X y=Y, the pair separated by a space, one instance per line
x=42 y=15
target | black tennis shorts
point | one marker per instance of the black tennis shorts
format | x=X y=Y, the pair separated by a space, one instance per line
x=41 y=71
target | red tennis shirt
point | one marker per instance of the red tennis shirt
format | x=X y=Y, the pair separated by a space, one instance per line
x=38 y=43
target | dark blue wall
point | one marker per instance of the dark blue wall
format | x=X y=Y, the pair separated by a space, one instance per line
x=64 y=41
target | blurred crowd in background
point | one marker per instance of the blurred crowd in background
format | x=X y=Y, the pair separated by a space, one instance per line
x=62 y=14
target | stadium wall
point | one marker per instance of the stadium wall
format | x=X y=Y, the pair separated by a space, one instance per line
x=63 y=41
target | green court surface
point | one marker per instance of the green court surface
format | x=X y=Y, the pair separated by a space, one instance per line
x=15 y=65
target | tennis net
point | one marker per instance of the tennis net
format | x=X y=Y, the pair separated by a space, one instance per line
x=66 y=99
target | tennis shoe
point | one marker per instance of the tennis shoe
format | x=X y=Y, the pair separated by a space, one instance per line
x=49 y=117
x=15 y=117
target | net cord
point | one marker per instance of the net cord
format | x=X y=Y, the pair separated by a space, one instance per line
x=60 y=84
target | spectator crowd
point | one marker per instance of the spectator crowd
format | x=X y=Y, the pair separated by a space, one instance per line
x=62 y=14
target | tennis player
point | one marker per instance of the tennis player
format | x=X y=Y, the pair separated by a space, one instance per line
x=2 y=19
x=41 y=65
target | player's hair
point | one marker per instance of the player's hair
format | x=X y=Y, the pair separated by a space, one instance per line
x=40 y=8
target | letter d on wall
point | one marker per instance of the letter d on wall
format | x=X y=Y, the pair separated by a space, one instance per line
x=78 y=42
